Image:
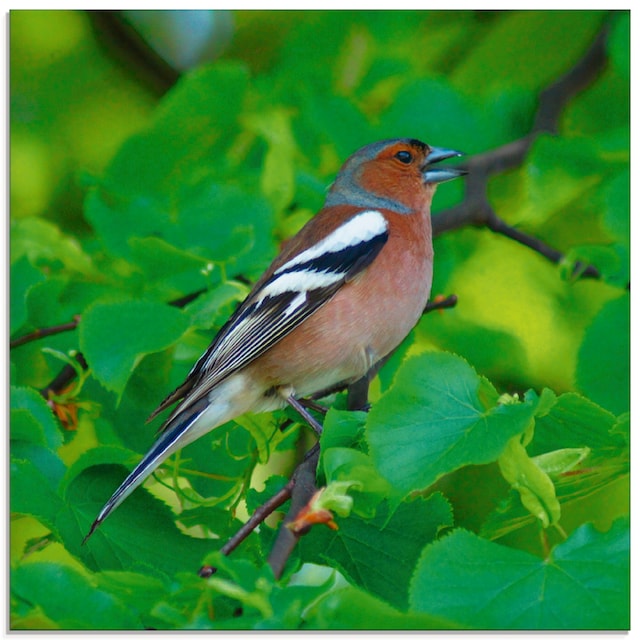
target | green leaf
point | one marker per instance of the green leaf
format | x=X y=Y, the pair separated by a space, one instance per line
x=115 y=336
x=450 y=113
x=558 y=172
x=44 y=243
x=278 y=173
x=352 y=608
x=530 y=481
x=498 y=59
x=584 y=584
x=23 y=276
x=603 y=371
x=617 y=196
x=129 y=539
x=189 y=129
x=25 y=400
x=619 y=44
x=57 y=589
x=344 y=464
x=215 y=306
x=26 y=428
x=379 y=554
x=178 y=182
x=439 y=416
x=139 y=591
x=573 y=422
x=342 y=429
x=46 y=304
x=107 y=455
x=32 y=492
x=159 y=259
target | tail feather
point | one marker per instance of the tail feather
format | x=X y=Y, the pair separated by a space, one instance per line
x=187 y=423
x=175 y=437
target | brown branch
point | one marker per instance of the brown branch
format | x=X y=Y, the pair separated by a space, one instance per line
x=44 y=332
x=304 y=479
x=67 y=374
x=500 y=226
x=257 y=518
x=475 y=209
x=300 y=489
x=441 y=303
x=555 y=97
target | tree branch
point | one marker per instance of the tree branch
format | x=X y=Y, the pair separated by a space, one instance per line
x=304 y=486
x=476 y=209
x=257 y=518
x=44 y=332
x=66 y=375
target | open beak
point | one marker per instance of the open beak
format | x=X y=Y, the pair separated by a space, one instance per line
x=441 y=174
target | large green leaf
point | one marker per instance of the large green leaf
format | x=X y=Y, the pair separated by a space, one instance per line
x=100 y=609
x=502 y=56
x=438 y=416
x=572 y=422
x=32 y=492
x=128 y=540
x=171 y=184
x=603 y=371
x=115 y=336
x=380 y=553
x=353 y=608
x=584 y=584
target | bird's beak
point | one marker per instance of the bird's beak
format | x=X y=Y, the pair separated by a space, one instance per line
x=441 y=174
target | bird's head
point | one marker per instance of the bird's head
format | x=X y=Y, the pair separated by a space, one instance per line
x=396 y=174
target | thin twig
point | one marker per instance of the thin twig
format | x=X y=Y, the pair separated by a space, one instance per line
x=443 y=303
x=300 y=488
x=44 y=332
x=500 y=226
x=257 y=518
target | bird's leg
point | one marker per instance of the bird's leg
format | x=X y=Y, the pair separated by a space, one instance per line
x=287 y=393
x=309 y=403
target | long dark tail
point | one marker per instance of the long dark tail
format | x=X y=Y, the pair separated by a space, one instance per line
x=175 y=437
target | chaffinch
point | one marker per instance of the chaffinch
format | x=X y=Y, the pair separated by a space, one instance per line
x=342 y=294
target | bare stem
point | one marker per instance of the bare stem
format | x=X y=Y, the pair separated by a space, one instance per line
x=44 y=332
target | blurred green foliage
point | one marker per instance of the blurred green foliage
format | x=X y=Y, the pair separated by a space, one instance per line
x=125 y=198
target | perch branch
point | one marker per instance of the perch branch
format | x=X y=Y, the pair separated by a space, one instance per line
x=303 y=489
x=475 y=209
x=44 y=332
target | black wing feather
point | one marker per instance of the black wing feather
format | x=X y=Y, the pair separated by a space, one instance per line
x=262 y=321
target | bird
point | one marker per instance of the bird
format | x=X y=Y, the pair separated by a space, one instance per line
x=341 y=295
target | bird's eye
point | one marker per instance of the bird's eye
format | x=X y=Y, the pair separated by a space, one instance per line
x=405 y=157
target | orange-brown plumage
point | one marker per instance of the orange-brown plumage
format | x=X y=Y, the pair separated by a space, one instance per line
x=367 y=318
